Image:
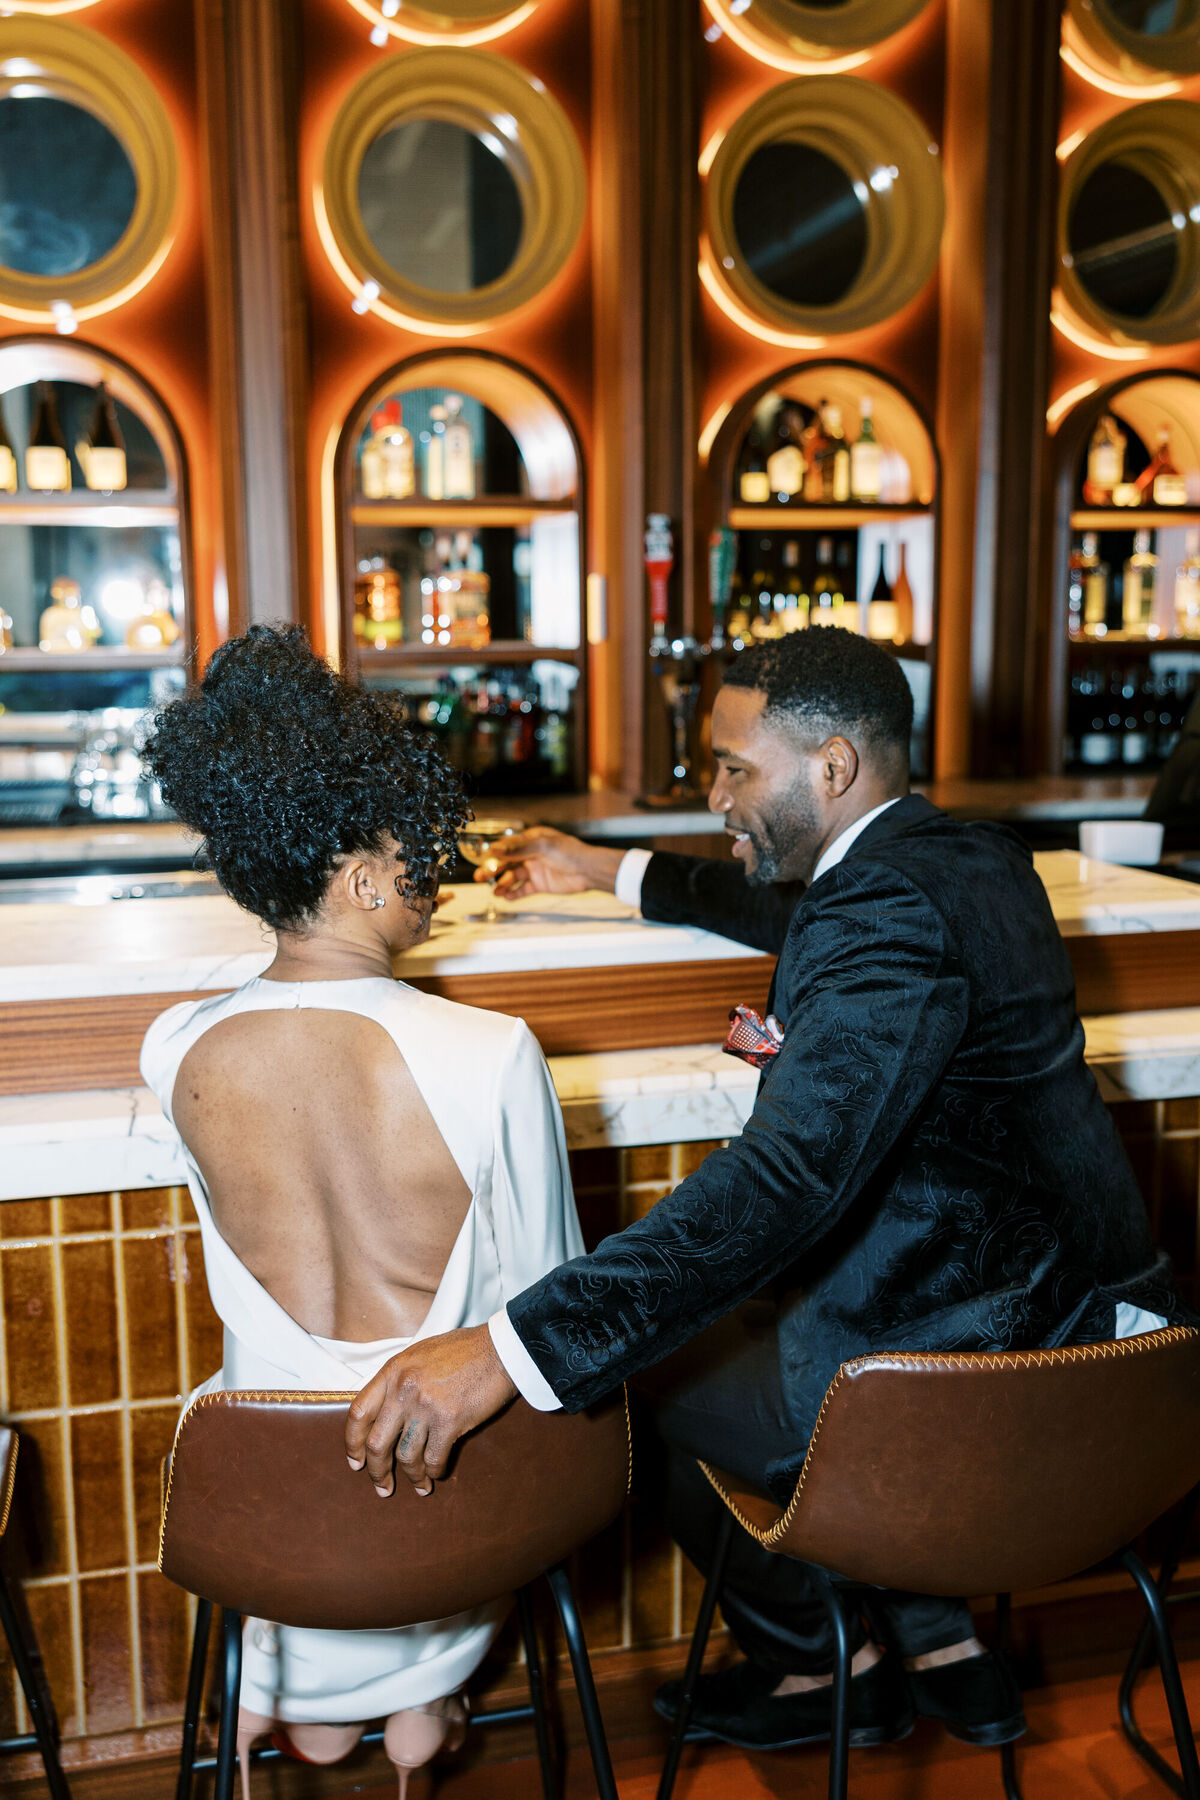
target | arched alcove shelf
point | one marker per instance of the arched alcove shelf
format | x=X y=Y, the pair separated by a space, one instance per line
x=1124 y=637
x=461 y=562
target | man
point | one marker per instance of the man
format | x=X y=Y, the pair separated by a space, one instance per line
x=928 y=1166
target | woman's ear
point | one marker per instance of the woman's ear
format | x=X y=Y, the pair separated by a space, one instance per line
x=358 y=884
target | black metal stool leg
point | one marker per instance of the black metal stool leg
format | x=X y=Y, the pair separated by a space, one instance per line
x=231 y=1683
x=195 y=1699
x=1181 y=1724
x=843 y=1656
x=1138 y=1656
x=41 y=1714
x=695 y=1661
x=537 y=1695
x=1008 y=1752
x=589 y=1706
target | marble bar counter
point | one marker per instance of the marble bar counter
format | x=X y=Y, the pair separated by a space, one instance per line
x=79 y=985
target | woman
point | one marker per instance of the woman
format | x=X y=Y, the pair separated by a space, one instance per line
x=370 y=1165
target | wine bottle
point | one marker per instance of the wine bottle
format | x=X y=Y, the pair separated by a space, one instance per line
x=1105 y=462
x=881 y=607
x=847 y=581
x=866 y=458
x=102 y=453
x=785 y=465
x=1187 y=590
x=1087 y=591
x=460 y=453
x=903 y=595
x=8 y=462
x=755 y=484
x=47 y=465
x=1141 y=572
x=435 y=455
x=828 y=600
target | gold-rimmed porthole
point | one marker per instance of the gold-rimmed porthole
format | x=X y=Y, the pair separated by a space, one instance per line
x=824 y=209
x=812 y=35
x=433 y=22
x=1129 y=226
x=89 y=173
x=1138 y=45
x=453 y=190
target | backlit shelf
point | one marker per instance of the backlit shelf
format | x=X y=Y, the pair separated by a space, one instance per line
x=503 y=651
x=463 y=514
x=1133 y=518
x=131 y=511
x=106 y=657
x=803 y=517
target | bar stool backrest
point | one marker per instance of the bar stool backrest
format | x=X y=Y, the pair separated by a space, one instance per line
x=263 y=1515
x=985 y=1473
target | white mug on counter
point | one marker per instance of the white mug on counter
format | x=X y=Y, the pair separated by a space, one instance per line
x=1136 y=841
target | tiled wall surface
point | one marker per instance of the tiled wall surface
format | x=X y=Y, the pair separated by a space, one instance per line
x=106 y=1325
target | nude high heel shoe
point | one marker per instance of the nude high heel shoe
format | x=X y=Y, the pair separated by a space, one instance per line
x=250 y=1725
x=413 y=1737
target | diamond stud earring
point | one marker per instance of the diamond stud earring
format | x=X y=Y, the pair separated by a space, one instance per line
x=379 y=900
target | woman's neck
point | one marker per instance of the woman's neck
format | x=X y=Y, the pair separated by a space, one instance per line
x=328 y=956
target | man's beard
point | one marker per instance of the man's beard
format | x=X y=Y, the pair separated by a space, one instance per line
x=788 y=828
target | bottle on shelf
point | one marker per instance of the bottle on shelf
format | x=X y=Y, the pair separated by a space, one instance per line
x=396 y=453
x=435 y=455
x=796 y=602
x=1087 y=591
x=763 y=621
x=1187 y=590
x=828 y=600
x=371 y=477
x=1160 y=483
x=1135 y=741
x=155 y=627
x=102 y=452
x=8 y=462
x=785 y=465
x=1105 y=462
x=882 y=621
x=866 y=458
x=847 y=581
x=6 y=631
x=378 y=611
x=833 y=455
x=754 y=485
x=1096 y=745
x=902 y=594
x=67 y=623
x=459 y=468
x=455 y=595
x=47 y=465
x=1141 y=574
x=738 y=614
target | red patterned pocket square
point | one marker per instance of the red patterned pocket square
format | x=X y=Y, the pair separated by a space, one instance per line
x=752 y=1038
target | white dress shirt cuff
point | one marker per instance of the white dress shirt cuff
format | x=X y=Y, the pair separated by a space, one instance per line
x=630 y=876
x=520 y=1367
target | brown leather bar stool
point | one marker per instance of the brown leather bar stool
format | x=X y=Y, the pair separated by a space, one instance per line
x=25 y=1653
x=979 y=1474
x=1139 y=1655
x=263 y=1516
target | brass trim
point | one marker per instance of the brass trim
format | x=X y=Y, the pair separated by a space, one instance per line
x=459 y=21
x=790 y=35
x=868 y=131
x=6 y=1499
x=1110 y=1350
x=79 y=66
x=480 y=92
x=1099 y=39
x=1161 y=140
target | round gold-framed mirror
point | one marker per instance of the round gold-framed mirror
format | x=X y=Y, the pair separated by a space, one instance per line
x=433 y=22
x=453 y=190
x=1129 y=226
x=1134 y=45
x=88 y=173
x=824 y=209
x=812 y=35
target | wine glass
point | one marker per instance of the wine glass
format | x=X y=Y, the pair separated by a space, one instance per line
x=477 y=842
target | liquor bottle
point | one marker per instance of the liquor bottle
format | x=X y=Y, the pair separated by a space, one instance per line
x=8 y=462
x=1187 y=590
x=396 y=451
x=47 y=465
x=1105 y=462
x=737 y=615
x=378 y=615
x=460 y=453
x=1096 y=746
x=902 y=594
x=835 y=458
x=67 y=624
x=102 y=453
x=847 y=579
x=1160 y=483
x=1141 y=572
x=796 y=599
x=1087 y=591
x=882 y=622
x=866 y=458
x=472 y=625
x=435 y=455
x=371 y=475
x=785 y=465
x=755 y=484
x=155 y=627
x=763 y=623
x=828 y=600
x=6 y=631
x=1135 y=742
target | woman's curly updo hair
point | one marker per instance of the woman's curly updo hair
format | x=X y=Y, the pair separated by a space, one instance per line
x=285 y=768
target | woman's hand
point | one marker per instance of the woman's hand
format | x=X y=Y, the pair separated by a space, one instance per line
x=414 y=1411
x=544 y=861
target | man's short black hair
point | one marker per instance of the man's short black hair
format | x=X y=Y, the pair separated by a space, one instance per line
x=826 y=682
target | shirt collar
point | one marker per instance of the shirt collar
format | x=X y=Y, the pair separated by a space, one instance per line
x=830 y=858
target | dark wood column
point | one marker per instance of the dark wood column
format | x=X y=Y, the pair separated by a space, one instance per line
x=1010 y=617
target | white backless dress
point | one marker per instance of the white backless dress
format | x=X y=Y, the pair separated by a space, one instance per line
x=487 y=1087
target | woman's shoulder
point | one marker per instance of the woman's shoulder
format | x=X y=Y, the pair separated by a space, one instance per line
x=172 y=1034
x=488 y=1039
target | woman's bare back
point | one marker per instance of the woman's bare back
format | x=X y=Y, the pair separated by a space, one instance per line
x=325 y=1171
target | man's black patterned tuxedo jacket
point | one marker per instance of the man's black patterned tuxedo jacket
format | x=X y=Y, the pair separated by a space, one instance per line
x=929 y=1164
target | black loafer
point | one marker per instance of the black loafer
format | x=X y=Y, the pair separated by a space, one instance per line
x=977 y=1700
x=738 y=1706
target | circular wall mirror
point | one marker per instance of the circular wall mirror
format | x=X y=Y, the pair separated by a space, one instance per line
x=812 y=35
x=88 y=172
x=1129 y=225
x=1137 y=41
x=441 y=205
x=453 y=187
x=824 y=208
